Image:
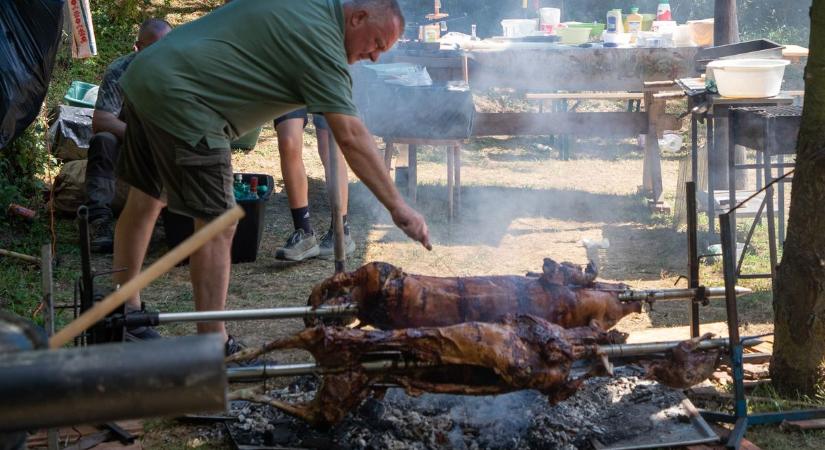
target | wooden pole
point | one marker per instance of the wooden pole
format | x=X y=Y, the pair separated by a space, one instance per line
x=725 y=23
x=26 y=258
x=133 y=286
x=335 y=200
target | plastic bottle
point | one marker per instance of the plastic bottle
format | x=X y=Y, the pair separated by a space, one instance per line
x=253 y=188
x=614 y=21
x=663 y=11
x=634 y=24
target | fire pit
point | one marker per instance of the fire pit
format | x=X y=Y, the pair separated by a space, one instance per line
x=620 y=412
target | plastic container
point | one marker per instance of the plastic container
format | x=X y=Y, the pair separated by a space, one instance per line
x=749 y=78
x=519 y=27
x=549 y=19
x=596 y=29
x=614 y=21
x=247 y=141
x=663 y=11
x=617 y=39
x=701 y=32
x=77 y=90
x=634 y=24
x=248 y=233
x=574 y=35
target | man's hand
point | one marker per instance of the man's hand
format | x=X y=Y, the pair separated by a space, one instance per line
x=412 y=223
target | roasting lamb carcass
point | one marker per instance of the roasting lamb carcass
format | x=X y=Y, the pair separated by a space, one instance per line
x=388 y=298
x=473 y=358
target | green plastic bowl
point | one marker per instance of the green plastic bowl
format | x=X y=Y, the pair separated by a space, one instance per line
x=596 y=28
x=77 y=90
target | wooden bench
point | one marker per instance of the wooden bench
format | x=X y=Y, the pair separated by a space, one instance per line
x=559 y=104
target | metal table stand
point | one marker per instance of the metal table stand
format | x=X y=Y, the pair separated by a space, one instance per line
x=772 y=132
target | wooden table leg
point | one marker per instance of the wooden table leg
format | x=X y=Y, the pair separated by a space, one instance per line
x=412 y=172
x=450 y=187
x=652 y=174
x=457 y=176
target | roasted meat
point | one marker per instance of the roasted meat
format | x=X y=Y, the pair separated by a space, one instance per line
x=388 y=298
x=473 y=358
x=686 y=366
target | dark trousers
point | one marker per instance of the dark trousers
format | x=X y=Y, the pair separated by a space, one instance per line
x=104 y=149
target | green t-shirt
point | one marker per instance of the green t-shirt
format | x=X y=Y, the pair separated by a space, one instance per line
x=242 y=65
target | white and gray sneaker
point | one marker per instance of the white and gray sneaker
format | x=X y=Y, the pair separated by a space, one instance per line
x=298 y=247
x=327 y=245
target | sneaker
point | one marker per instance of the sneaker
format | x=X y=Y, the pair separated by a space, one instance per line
x=327 y=245
x=141 y=334
x=298 y=247
x=102 y=235
x=233 y=346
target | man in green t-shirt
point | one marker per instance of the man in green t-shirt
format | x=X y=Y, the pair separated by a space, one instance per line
x=222 y=75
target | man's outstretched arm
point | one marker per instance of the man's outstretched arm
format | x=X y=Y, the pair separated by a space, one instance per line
x=358 y=147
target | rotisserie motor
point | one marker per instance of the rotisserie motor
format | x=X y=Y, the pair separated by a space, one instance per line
x=388 y=298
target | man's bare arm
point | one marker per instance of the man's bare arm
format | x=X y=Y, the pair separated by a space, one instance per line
x=106 y=121
x=358 y=147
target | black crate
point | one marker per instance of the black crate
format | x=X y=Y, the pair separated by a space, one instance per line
x=248 y=233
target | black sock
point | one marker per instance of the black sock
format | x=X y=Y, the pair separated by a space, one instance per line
x=300 y=219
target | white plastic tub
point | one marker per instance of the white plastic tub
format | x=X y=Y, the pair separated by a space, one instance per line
x=748 y=78
x=519 y=27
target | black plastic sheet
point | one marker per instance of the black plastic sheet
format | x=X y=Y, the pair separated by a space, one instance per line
x=28 y=45
x=71 y=132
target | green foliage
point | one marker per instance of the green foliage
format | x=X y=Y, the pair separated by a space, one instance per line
x=22 y=163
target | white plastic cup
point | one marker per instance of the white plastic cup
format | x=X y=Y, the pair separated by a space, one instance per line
x=550 y=16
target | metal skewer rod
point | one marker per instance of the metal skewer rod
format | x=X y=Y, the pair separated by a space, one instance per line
x=612 y=351
x=297 y=312
x=677 y=294
x=301 y=312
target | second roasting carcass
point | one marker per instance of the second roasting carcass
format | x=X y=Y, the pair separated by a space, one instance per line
x=388 y=298
x=473 y=358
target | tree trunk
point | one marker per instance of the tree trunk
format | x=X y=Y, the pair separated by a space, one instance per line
x=725 y=23
x=798 y=364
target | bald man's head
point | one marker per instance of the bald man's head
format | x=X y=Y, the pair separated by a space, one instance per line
x=151 y=30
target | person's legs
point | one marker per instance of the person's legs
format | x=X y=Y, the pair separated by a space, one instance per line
x=132 y=235
x=100 y=189
x=302 y=244
x=209 y=268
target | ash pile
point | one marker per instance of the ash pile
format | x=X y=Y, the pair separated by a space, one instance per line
x=621 y=411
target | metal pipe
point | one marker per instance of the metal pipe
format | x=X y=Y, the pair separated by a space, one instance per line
x=677 y=294
x=101 y=383
x=241 y=374
x=297 y=312
x=301 y=312
x=289 y=370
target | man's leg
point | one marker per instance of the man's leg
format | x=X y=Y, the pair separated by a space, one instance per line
x=209 y=269
x=100 y=189
x=302 y=244
x=132 y=235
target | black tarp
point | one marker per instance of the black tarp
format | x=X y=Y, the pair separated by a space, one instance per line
x=28 y=44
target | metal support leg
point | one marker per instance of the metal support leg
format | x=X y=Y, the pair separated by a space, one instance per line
x=450 y=185
x=732 y=202
x=711 y=179
x=457 y=176
x=693 y=254
x=412 y=173
x=780 y=160
x=769 y=203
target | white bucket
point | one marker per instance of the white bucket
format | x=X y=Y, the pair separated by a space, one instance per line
x=519 y=27
x=748 y=78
